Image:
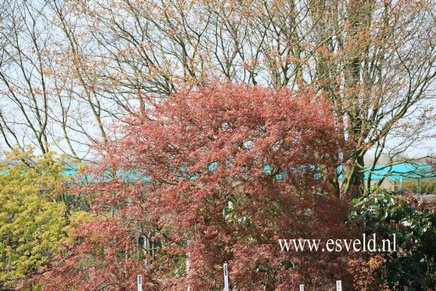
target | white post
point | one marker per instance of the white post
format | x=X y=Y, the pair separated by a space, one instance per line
x=338 y=285
x=188 y=268
x=188 y=265
x=301 y=287
x=139 y=283
x=226 y=277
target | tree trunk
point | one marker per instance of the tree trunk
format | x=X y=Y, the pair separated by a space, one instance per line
x=353 y=185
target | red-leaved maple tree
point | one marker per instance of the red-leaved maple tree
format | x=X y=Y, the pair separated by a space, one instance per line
x=212 y=175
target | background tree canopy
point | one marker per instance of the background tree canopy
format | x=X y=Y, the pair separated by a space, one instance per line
x=66 y=64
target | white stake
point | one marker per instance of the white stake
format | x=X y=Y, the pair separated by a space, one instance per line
x=226 y=277
x=188 y=268
x=338 y=285
x=301 y=287
x=139 y=283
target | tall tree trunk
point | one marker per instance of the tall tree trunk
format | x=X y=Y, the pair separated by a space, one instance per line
x=353 y=184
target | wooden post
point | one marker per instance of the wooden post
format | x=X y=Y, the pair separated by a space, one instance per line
x=338 y=285
x=401 y=183
x=146 y=249
x=301 y=287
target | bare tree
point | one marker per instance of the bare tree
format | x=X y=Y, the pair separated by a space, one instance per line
x=93 y=62
x=24 y=91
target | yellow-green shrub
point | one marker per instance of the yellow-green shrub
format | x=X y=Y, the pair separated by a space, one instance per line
x=32 y=215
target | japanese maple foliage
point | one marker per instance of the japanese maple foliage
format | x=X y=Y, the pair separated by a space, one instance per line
x=219 y=173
